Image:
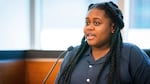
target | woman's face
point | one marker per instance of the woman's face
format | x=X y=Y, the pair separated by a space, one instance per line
x=98 y=28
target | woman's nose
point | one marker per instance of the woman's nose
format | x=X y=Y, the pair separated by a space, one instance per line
x=90 y=27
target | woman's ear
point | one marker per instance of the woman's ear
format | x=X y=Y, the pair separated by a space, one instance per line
x=112 y=28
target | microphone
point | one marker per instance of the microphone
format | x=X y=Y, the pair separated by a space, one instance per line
x=54 y=65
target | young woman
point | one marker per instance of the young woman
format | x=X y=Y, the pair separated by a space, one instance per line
x=102 y=57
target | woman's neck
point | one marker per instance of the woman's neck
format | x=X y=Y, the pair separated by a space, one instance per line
x=99 y=52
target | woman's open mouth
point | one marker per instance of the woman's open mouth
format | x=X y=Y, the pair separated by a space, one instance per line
x=90 y=36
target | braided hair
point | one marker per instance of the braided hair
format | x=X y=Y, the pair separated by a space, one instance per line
x=114 y=13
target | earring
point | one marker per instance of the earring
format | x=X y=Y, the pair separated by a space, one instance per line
x=113 y=31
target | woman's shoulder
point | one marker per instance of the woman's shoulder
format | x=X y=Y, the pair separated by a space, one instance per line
x=71 y=52
x=74 y=49
x=133 y=50
x=138 y=61
x=130 y=46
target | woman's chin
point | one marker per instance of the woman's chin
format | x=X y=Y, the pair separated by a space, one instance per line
x=91 y=43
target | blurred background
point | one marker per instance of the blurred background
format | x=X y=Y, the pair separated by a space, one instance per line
x=57 y=24
x=34 y=32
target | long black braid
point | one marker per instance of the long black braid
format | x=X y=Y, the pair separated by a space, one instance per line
x=66 y=73
x=115 y=14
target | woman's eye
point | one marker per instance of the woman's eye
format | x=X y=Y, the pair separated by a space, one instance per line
x=87 y=23
x=96 y=23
